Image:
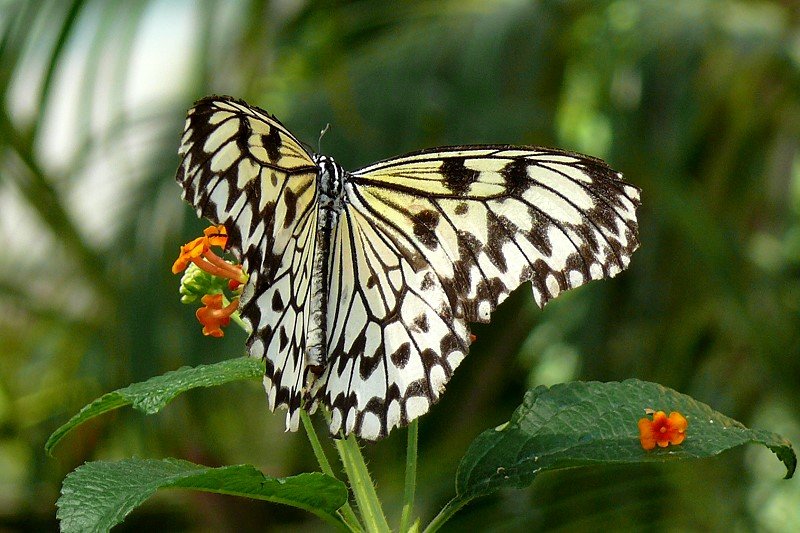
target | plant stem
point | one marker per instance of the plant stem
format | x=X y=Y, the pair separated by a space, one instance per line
x=411 y=476
x=444 y=515
x=346 y=512
x=316 y=445
x=361 y=484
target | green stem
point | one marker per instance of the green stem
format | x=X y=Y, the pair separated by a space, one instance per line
x=411 y=476
x=361 y=484
x=346 y=512
x=316 y=445
x=444 y=515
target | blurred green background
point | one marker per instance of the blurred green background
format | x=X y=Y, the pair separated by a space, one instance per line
x=696 y=101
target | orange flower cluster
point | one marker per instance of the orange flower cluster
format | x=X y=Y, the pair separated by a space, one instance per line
x=214 y=314
x=662 y=430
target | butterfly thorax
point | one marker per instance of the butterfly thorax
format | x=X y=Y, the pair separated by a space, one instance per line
x=330 y=202
x=329 y=183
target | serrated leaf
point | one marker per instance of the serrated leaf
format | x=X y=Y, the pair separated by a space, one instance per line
x=152 y=395
x=99 y=495
x=584 y=423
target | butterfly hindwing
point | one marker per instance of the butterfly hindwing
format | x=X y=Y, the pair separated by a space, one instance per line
x=393 y=338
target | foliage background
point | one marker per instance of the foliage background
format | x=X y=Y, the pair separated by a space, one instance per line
x=695 y=101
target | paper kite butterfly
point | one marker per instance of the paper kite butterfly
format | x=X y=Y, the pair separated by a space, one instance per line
x=362 y=283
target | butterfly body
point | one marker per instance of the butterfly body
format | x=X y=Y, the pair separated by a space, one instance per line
x=362 y=284
x=330 y=205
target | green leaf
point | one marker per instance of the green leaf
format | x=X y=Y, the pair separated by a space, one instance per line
x=585 y=423
x=99 y=495
x=152 y=395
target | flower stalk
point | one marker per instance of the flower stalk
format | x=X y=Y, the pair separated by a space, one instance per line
x=361 y=484
x=411 y=476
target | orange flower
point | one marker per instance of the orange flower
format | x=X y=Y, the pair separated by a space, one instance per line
x=662 y=430
x=190 y=251
x=213 y=316
x=199 y=252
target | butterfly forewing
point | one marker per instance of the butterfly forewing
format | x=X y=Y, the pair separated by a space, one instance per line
x=489 y=218
x=243 y=169
x=420 y=245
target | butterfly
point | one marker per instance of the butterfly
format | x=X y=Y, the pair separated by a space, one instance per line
x=362 y=284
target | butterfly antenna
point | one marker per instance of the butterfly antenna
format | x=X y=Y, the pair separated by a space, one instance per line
x=321 y=135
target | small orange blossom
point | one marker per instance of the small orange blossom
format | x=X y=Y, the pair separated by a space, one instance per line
x=213 y=315
x=662 y=430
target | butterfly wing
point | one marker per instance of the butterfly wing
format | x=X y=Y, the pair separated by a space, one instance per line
x=435 y=239
x=243 y=169
x=489 y=218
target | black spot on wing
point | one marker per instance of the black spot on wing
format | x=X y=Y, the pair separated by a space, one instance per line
x=498 y=235
x=516 y=177
x=277 y=302
x=425 y=224
x=344 y=402
x=538 y=236
x=272 y=144
x=451 y=343
x=421 y=322
x=457 y=177
x=340 y=357
x=290 y=199
x=367 y=362
x=252 y=312
x=579 y=262
x=401 y=355
x=283 y=339
x=429 y=359
x=379 y=407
